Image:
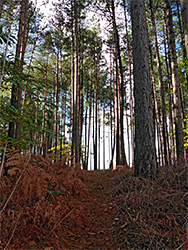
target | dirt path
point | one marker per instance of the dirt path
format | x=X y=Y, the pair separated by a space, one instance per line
x=102 y=211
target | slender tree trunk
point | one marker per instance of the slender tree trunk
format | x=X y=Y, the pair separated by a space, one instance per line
x=145 y=155
x=130 y=85
x=56 y=102
x=104 y=158
x=128 y=139
x=80 y=90
x=5 y=55
x=96 y=116
x=184 y=96
x=121 y=158
x=175 y=83
x=86 y=134
x=99 y=138
x=89 y=125
x=29 y=67
x=116 y=110
x=157 y=115
x=61 y=101
x=43 y=135
x=172 y=150
x=112 y=140
x=20 y=51
x=184 y=12
x=76 y=86
x=72 y=85
x=35 y=133
x=161 y=84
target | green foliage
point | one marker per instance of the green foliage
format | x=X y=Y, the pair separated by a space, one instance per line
x=185 y=130
x=183 y=69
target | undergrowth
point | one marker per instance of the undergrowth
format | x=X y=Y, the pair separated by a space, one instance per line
x=43 y=197
x=51 y=206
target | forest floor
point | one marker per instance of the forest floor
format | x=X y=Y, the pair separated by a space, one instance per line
x=55 y=206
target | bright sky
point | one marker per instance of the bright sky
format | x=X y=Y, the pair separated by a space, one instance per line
x=44 y=8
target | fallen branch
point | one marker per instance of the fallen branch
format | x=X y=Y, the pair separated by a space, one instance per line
x=62 y=220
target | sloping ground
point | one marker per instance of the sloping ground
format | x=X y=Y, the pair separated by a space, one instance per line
x=58 y=207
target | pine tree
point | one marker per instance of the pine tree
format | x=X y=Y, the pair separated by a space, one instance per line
x=145 y=156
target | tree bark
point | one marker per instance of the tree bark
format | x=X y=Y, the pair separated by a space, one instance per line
x=145 y=155
x=121 y=158
x=175 y=83
x=112 y=107
x=19 y=57
x=76 y=86
x=43 y=135
x=104 y=139
x=157 y=115
x=130 y=85
x=96 y=115
x=72 y=95
x=184 y=12
x=57 y=101
x=172 y=150
x=161 y=84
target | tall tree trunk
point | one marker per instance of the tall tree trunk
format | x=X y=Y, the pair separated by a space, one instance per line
x=112 y=137
x=89 y=125
x=99 y=138
x=56 y=102
x=96 y=115
x=43 y=135
x=116 y=109
x=172 y=150
x=5 y=54
x=80 y=90
x=61 y=101
x=145 y=155
x=86 y=134
x=184 y=12
x=104 y=158
x=128 y=139
x=161 y=84
x=181 y=30
x=121 y=157
x=21 y=52
x=130 y=85
x=35 y=133
x=29 y=67
x=184 y=96
x=76 y=86
x=175 y=84
x=19 y=57
x=157 y=116
x=72 y=84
